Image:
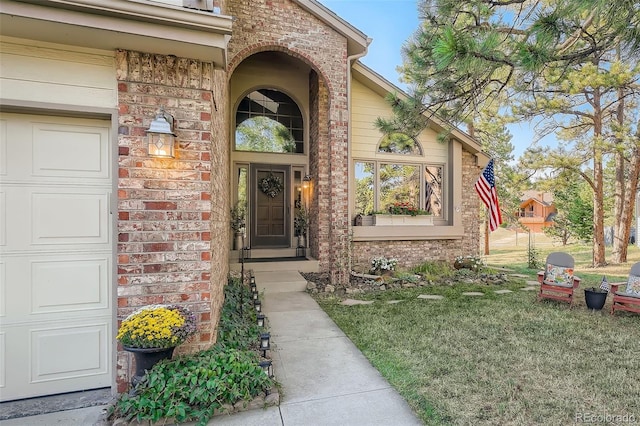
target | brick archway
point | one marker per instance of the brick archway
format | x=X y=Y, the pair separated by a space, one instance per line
x=272 y=47
x=327 y=157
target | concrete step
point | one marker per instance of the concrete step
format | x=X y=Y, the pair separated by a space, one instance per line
x=279 y=281
x=309 y=265
x=266 y=253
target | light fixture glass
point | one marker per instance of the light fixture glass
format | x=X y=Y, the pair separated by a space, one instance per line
x=264 y=341
x=305 y=181
x=267 y=367
x=161 y=139
x=260 y=318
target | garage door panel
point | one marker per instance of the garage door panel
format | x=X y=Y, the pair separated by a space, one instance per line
x=60 y=353
x=54 y=218
x=52 y=287
x=61 y=286
x=55 y=359
x=3 y=218
x=69 y=218
x=3 y=147
x=54 y=149
x=3 y=361
x=70 y=151
x=3 y=288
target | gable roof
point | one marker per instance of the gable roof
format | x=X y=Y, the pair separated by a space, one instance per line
x=544 y=198
x=357 y=41
x=382 y=86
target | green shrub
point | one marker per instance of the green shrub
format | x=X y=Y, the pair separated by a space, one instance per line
x=191 y=387
x=238 y=327
x=433 y=270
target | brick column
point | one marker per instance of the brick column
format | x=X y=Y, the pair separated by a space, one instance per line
x=166 y=225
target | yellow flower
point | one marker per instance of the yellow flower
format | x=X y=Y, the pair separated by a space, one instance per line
x=153 y=326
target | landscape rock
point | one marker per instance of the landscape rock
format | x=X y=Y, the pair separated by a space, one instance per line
x=272 y=399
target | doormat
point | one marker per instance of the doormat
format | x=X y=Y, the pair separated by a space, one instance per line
x=275 y=259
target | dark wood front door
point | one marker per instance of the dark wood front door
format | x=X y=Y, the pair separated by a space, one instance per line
x=270 y=226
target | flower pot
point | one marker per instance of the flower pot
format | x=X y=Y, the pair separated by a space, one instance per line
x=402 y=220
x=595 y=298
x=237 y=242
x=146 y=358
x=302 y=241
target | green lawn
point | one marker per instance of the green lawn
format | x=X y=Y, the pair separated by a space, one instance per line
x=498 y=359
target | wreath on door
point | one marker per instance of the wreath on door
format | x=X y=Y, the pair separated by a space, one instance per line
x=271 y=185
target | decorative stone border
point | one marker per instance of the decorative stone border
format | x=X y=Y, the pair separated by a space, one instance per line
x=270 y=399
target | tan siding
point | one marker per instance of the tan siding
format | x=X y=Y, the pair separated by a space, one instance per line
x=48 y=73
x=367 y=106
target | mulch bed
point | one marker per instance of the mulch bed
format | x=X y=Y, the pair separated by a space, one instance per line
x=363 y=283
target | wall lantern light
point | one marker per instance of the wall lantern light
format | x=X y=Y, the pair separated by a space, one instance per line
x=260 y=318
x=305 y=181
x=161 y=138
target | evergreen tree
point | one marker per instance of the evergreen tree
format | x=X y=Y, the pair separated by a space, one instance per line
x=572 y=63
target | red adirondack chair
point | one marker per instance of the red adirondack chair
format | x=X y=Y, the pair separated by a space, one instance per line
x=629 y=299
x=557 y=281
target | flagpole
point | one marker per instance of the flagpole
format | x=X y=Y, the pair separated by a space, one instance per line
x=486 y=234
x=486 y=188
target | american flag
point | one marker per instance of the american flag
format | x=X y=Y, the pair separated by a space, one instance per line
x=486 y=187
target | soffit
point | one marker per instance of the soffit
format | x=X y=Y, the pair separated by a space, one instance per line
x=120 y=24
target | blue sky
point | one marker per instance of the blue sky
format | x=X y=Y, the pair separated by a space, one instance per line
x=390 y=23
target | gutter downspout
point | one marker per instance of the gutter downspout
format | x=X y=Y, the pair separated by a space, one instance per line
x=350 y=169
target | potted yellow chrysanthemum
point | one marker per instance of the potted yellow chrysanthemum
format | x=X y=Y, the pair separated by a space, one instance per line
x=152 y=332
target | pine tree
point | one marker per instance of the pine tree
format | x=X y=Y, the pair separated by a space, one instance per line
x=546 y=60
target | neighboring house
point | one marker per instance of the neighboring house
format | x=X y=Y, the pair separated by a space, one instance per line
x=536 y=210
x=92 y=227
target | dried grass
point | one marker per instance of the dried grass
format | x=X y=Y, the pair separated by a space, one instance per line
x=501 y=359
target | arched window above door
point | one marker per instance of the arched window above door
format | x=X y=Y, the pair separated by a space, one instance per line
x=268 y=120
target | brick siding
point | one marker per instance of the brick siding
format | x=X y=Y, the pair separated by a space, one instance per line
x=282 y=25
x=166 y=223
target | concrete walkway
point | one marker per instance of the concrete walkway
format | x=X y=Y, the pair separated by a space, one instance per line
x=325 y=379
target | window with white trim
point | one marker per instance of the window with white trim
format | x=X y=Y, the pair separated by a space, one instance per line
x=380 y=183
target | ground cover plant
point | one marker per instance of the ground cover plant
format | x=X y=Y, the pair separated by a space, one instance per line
x=500 y=358
x=194 y=387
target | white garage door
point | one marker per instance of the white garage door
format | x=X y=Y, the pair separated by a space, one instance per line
x=56 y=254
